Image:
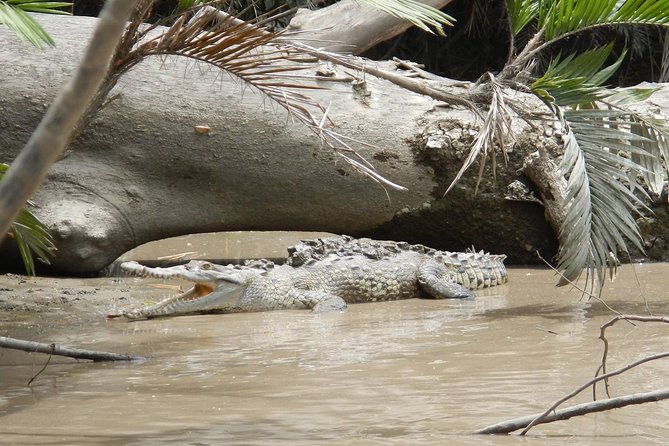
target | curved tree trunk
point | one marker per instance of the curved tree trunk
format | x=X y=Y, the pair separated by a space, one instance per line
x=141 y=171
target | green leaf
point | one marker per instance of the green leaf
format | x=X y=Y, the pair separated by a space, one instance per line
x=23 y=25
x=601 y=187
x=48 y=7
x=13 y=15
x=185 y=4
x=419 y=14
x=521 y=13
x=577 y=80
x=630 y=95
x=566 y=17
x=32 y=237
x=654 y=148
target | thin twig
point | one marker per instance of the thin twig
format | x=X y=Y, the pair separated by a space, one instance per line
x=582 y=291
x=538 y=419
x=53 y=347
x=602 y=335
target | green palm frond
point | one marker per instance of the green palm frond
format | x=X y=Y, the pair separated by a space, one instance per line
x=521 y=13
x=654 y=145
x=32 y=237
x=566 y=17
x=576 y=80
x=601 y=203
x=606 y=150
x=13 y=15
x=419 y=14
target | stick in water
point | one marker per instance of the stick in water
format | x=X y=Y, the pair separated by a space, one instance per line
x=53 y=349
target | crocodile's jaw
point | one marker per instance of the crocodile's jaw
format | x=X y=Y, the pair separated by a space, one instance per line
x=207 y=297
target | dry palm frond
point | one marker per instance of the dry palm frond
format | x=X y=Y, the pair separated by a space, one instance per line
x=495 y=130
x=258 y=58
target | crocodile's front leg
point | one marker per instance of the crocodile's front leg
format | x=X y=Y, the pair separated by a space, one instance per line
x=434 y=280
x=321 y=302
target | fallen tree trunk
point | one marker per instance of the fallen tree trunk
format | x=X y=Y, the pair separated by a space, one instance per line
x=142 y=171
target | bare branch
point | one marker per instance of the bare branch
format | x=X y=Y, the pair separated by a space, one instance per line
x=580 y=409
x=602 y=336
x=54 y=349
x=554 y=406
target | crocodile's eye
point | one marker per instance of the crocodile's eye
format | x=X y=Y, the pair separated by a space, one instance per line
x=206 y=266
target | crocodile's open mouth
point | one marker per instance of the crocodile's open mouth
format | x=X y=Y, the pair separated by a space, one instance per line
x=198 y=291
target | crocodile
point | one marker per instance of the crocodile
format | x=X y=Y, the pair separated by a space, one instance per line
x=323 y=275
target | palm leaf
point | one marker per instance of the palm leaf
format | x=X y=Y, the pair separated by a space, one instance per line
x=13 y=15
x=32 y=237
x=46 y=6
x=566 y=17
x=577 y=80
x=521 y=13
x=601 y=200
x=655 y=151
x=419 y=14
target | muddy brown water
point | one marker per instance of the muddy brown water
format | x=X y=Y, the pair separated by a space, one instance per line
x=414 y=372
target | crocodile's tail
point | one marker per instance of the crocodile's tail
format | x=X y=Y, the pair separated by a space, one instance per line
x=475 y=270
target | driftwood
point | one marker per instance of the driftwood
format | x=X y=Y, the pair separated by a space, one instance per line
x=59 y=350
x=580 y=409
x=140 y=171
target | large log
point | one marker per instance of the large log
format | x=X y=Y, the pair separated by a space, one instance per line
x=140 y=171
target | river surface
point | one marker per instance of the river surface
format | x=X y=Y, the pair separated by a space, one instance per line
x=414 y=372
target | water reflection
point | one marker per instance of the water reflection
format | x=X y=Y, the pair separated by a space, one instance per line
x=409 y=372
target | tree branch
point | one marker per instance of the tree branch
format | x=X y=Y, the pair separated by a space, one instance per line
x=546 y=416
x=602 y=335
x=54 y=349
x=580 y=409
x=349 y=26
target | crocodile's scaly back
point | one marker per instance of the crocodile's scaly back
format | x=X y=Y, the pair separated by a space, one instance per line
x=473 y=270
